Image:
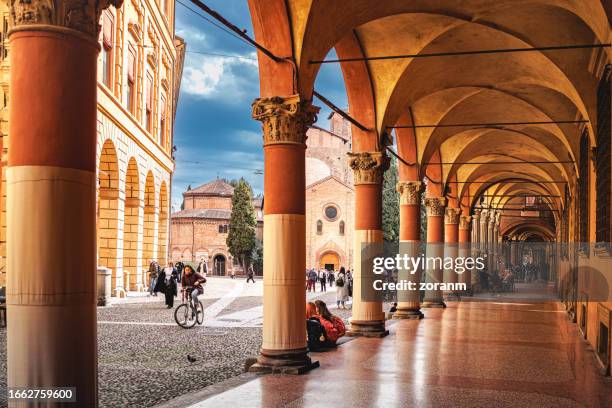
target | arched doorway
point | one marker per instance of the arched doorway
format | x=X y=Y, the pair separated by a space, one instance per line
x=330 y=261
x=107 y=212
x=130 y=225
x=148 y=239
x=219 y=265
x=162 y=233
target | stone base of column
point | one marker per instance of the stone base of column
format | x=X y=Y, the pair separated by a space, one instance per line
x=293 y=362
x=412 y=314
x=366 y=328
x=433 y=304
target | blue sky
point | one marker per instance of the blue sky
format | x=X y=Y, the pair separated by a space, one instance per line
x=214 y=132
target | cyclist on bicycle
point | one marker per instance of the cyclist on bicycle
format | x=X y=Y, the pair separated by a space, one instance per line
x=193 y=280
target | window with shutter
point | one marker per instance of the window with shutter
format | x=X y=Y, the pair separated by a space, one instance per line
x=131 y=74
x=149 y=103
x=107 y=47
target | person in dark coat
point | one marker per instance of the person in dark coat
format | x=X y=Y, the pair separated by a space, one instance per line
x=166 y=283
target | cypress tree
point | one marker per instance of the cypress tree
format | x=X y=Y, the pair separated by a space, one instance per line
x=391 y=204
x=241 y=235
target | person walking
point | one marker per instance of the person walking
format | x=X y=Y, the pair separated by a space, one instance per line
x=250 y=274
x=342 y=294
x=323 y=279
x=330 y=278
x=179 y=269
x=202 y=268
x=167 y=284
x=153 y=274
x=312 y=278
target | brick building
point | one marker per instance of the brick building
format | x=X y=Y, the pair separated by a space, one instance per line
x=199 y=231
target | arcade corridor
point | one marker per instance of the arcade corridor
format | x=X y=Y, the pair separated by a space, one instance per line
x=472 y=354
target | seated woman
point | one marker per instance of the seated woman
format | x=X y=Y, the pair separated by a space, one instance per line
x=333 y=325
x=315 y=331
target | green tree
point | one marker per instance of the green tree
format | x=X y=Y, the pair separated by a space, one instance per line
x=391 y=204
x=241 y=240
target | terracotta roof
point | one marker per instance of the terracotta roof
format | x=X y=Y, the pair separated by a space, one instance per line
x=217 y=187
x=203 y=213
x=332 y=177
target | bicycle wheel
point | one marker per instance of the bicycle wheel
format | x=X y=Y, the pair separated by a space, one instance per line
x=200 y=313
x=184 y=316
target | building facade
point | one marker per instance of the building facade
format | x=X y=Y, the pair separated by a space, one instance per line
x=139 y=70
x=199 y=230
x=329 y=196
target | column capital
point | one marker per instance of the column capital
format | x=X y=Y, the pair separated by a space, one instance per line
x=368 y=167
x=464 y=222
x=484 y=216
x=451 y=215
x=410 y=192
x=284 y=120
x=435 y=206
x=78 y=15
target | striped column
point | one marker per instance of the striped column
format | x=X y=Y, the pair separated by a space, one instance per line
x=435 y=207
x=51 y=200
x=284 y=124
x=451 y=238
x=368 y=318
x=408 y=306
x=465 y=250
x=484 y=222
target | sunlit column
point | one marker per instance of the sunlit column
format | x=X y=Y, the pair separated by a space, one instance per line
x=484 y=223
x=51 y=200
x=475 y=245
x=284 y=122
x=408 y=306
x=368 y=317
x=451 y=238
x=435 y=249
x=491 y=242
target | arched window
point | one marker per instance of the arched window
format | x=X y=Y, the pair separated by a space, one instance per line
x=319 y=227
x=583 y=191
x=602 y=160
x=341 y=228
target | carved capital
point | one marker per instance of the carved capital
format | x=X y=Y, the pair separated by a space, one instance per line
x=451 y=215
x=464 y=222
x=484 y=216
x=476 y=215
x=410 y=192
x=368 y=167
x=79 y=15
x=284 y=120
x=435 y=206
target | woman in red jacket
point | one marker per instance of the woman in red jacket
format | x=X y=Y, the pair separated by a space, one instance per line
x=334 y=326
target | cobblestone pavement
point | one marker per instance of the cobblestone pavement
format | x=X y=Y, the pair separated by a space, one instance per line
x=143 y=353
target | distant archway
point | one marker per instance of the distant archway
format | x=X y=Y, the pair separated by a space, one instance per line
x=130 y=224
x=148 y=240
x=108 y=211
x=162 y=234
x=330 y=261
x=219 y=262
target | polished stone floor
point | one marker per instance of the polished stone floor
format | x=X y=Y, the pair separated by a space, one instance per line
x=472 y=354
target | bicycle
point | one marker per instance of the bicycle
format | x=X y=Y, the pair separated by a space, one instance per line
x=186 y=314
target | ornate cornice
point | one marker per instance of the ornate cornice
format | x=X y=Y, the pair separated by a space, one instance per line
x=410 y=192
x=451 y=215
x=435 y=206
x=464 y=222
x=284 y=120
x=79 y=15
x=368 y=167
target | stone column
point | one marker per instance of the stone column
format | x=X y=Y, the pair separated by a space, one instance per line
x=484 y=223
x=408 y=306
x=491 y=242
x=284 y=123
x=475 y=245
x=435 y=248
x=368 y=317
x=465 y=250
x=451 y=238
x=51 y=201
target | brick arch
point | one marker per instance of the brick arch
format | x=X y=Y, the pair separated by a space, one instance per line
x=149 y=250
x=108 y=211
x=131 y=261
x=162 y=233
